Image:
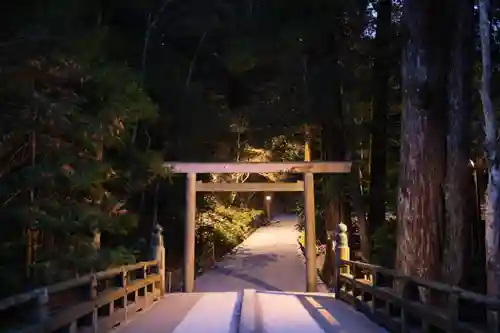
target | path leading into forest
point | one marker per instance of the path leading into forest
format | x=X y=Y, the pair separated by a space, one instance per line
x=260 y=287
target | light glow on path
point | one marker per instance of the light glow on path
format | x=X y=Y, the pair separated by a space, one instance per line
x=212 y=314
x=285 y=314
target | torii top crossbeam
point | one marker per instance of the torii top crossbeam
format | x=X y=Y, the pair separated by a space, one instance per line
x=259 y=167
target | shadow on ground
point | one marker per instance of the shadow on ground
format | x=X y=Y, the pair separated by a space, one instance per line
x=333 y=316
x=245 y=277
x=246 y=258
x=268 y=260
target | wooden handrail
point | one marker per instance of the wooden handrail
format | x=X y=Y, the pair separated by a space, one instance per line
x=100 y=300
x=73 y=283
x=404 y=303
x=134 y=287
x=462 y=293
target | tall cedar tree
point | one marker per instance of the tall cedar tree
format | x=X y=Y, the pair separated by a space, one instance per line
x=423 y=148
x=381 y=75
x=459 y=182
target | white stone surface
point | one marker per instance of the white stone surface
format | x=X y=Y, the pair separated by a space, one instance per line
x=285 y=314
x=212 y=314
x=164 y=316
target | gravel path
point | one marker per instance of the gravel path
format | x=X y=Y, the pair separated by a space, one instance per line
x=269 y=267
x=270 y=259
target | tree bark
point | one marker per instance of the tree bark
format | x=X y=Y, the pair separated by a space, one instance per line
x=492 y=218
x=378 y=164
x=458 y=185
x=333 y=149
x=423 y=142
x=359 y=210
x=355 y=188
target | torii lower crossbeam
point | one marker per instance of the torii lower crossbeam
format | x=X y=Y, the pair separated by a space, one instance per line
x=308 y=168
x=250 y=187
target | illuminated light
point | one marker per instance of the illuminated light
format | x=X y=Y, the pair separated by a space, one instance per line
x=324 y=312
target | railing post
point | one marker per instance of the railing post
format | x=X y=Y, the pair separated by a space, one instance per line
x=453 y=311
x=93 y=297
x=493 y=318
x=144 y=273
x=342 y=247
x=43 y=305
x=169 y=282
x=341 y=253
x=123 y=284
x=158 y=253
x=375 y=282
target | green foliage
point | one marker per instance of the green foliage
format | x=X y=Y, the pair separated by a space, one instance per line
x=302 y=240
x=72 y=117
x=230 y=225
x=384 y=243
x=319 y=219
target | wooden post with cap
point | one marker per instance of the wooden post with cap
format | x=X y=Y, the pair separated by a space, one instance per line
x=158 y=253
x=342 y=252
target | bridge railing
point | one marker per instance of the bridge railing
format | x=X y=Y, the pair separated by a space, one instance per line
x=403 y=303
x=95 y=302
x=92 y=303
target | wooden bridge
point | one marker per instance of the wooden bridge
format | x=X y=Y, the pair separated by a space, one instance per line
x=260 y=287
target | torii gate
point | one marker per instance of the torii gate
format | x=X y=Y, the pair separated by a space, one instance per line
x=307 y=168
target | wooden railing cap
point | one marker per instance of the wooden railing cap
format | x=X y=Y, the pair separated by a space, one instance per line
x=25 y=297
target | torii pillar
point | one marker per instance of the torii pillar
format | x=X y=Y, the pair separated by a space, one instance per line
x=310 y=225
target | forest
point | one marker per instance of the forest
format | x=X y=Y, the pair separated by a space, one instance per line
x=95 y=95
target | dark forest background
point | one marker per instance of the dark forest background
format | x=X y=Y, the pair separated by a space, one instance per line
x=95 y=95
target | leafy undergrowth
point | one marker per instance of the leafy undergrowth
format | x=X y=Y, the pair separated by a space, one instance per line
x=219 y=230
x=384 y=242
x=320 y=248
x=229 y=226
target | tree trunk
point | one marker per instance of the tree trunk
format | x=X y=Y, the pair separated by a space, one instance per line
x=492 y=218
x=333 y=149
x=359 y=209
x=355 y=183
x=378 y=169
x=423 y=143
x=458 y=172
x=477 y=277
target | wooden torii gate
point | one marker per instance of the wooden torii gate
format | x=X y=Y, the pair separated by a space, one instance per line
x=307 y=168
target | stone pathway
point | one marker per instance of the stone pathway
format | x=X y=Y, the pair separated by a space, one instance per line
x=260 y=287
x=270 y=259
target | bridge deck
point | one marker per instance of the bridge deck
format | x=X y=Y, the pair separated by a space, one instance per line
x=270 y=262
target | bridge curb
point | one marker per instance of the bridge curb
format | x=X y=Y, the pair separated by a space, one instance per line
x=248 y=318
